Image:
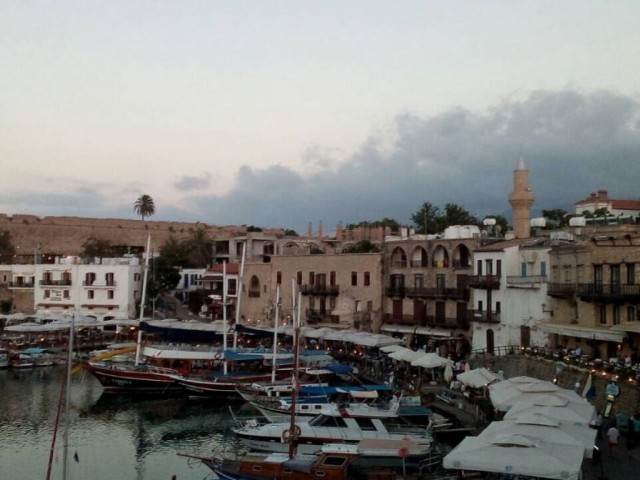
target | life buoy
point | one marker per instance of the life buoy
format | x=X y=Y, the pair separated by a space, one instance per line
x=217 y=356
x=286 y=435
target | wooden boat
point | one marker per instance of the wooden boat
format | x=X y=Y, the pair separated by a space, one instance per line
x=370 y=459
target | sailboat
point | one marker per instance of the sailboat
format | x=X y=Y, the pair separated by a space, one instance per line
x=386 y=458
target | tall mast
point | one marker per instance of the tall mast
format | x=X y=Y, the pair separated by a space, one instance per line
x=225 y=326
x=67 y=419
x=239 y=293
x=275 y=336
x=295 y=383
x=143 y=297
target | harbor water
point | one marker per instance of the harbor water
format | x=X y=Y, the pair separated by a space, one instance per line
x=109 y=437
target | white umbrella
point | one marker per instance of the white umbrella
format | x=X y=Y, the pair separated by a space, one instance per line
x=517 y=455
x=430 y=360
x=558 y=407
x=477 y=378
x=406 y=354
x=391 y=348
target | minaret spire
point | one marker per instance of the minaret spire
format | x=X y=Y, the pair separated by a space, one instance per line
x=521 y=199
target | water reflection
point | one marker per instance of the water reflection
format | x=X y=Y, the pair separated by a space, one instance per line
x=113 y=436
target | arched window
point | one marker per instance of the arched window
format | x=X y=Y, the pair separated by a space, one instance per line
x=398 y=258
x=440 y=257
x=462 y=257
x=254 y=287
x=419 y=258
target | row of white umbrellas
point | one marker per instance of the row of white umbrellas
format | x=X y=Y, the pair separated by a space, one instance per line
x=549 y=424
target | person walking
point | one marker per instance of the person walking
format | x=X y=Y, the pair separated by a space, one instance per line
x=613 y=434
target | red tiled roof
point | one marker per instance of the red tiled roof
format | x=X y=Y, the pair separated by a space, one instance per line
x=232 y=269
x=625 y=204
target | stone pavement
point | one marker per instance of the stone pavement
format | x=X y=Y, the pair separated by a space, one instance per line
x=624 y=464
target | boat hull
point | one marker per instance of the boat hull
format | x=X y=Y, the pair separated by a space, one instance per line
x=135 y=380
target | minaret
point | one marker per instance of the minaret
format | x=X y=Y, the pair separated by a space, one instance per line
x=521 y=200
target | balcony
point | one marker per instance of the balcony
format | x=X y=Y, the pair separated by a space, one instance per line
x=433 y=321
x=395 y=291
x=482 y=316
x=320 y=290
x=399 y=319
x=30 y=284
x=531 y=281
x=99 y=284
x=315 y=315
x=618 y=293
x=561 y=290
x=485 y=282
x=438 y=293
x=47 y=282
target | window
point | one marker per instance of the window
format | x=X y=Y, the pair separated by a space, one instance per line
x=497 y=307
x=631 y=274
x=488 y=264
x=418 y=280
x=109 y=279
x=332 y=302
x=440 y=281
x=543 y=269
x=90 y=294
x=65 y=294
x=498 y=267
x=367 y=279
x=523 y=269
x=479 y=267
x=299 y=278
x=110 y=294
x=136 y=277
x=279 y=278
x=597 y=276
x=365 y=423
x=312 y=277
x=616 y=314
x=354 y=279
x=614 y=272
x=89 y=278
x=47 y=294
x=332 y=278
x=631 y=314
x=602 y=314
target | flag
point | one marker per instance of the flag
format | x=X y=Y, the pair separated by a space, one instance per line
x=76 y=457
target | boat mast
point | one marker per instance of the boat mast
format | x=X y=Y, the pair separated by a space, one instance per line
x=67 y=420
x=275 y=336
x=239 y=293
x=293 y=428
x=225 y=326
x=143 y=297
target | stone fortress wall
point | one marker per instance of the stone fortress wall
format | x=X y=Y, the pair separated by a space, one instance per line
x=66 y=235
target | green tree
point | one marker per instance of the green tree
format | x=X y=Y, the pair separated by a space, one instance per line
x=96 y=247
x=290 y=233
x=175 y=252
x=144 y=206
x=364 y=246
x=384 y=223
x=164 y=278
x=557 y=216
x=456 y=215
x=199 y=248
x=426 y=219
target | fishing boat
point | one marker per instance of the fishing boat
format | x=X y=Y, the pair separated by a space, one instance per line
x=369 y=459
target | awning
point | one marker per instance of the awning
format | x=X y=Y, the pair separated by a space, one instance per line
x=389 y=327
x=632 y=327
x=436 y=332
x=575 y=330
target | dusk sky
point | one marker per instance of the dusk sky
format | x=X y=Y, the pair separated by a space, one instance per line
x=279 y=113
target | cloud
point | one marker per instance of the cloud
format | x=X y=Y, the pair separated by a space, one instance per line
x=189 y=183
x=570 y=141
x=573 y=143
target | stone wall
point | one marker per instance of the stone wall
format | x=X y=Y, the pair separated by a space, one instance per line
x=544 y=369
x=66 y=235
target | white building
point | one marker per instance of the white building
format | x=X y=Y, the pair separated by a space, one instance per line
x=107 y=288
x=509 y=293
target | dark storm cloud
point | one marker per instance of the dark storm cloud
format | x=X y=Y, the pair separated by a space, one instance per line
x=573 y=143
x=189 y=183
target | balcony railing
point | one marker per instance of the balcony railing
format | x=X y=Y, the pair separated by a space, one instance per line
x=562 y=290
x=531 y=281
x=21 y=284
x=438 y=293
x=435 y=321
x=487 y=282
x=99 y=284
x=483 y=316
x=320 y=290
x=419 y=263
x=616 y=293
x=395 y=291
x=315 y=315
x=49 y=282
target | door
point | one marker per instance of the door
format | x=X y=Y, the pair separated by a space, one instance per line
x=440 y=313
x=490 y=341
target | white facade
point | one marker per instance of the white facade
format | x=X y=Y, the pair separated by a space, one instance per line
x=109 y=288
x=519 y=303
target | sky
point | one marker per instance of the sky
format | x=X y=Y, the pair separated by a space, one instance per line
x=281 y=113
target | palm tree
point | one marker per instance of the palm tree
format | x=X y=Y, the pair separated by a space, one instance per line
x=144 y=206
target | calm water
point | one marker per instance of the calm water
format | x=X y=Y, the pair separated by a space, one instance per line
x=115 y=438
